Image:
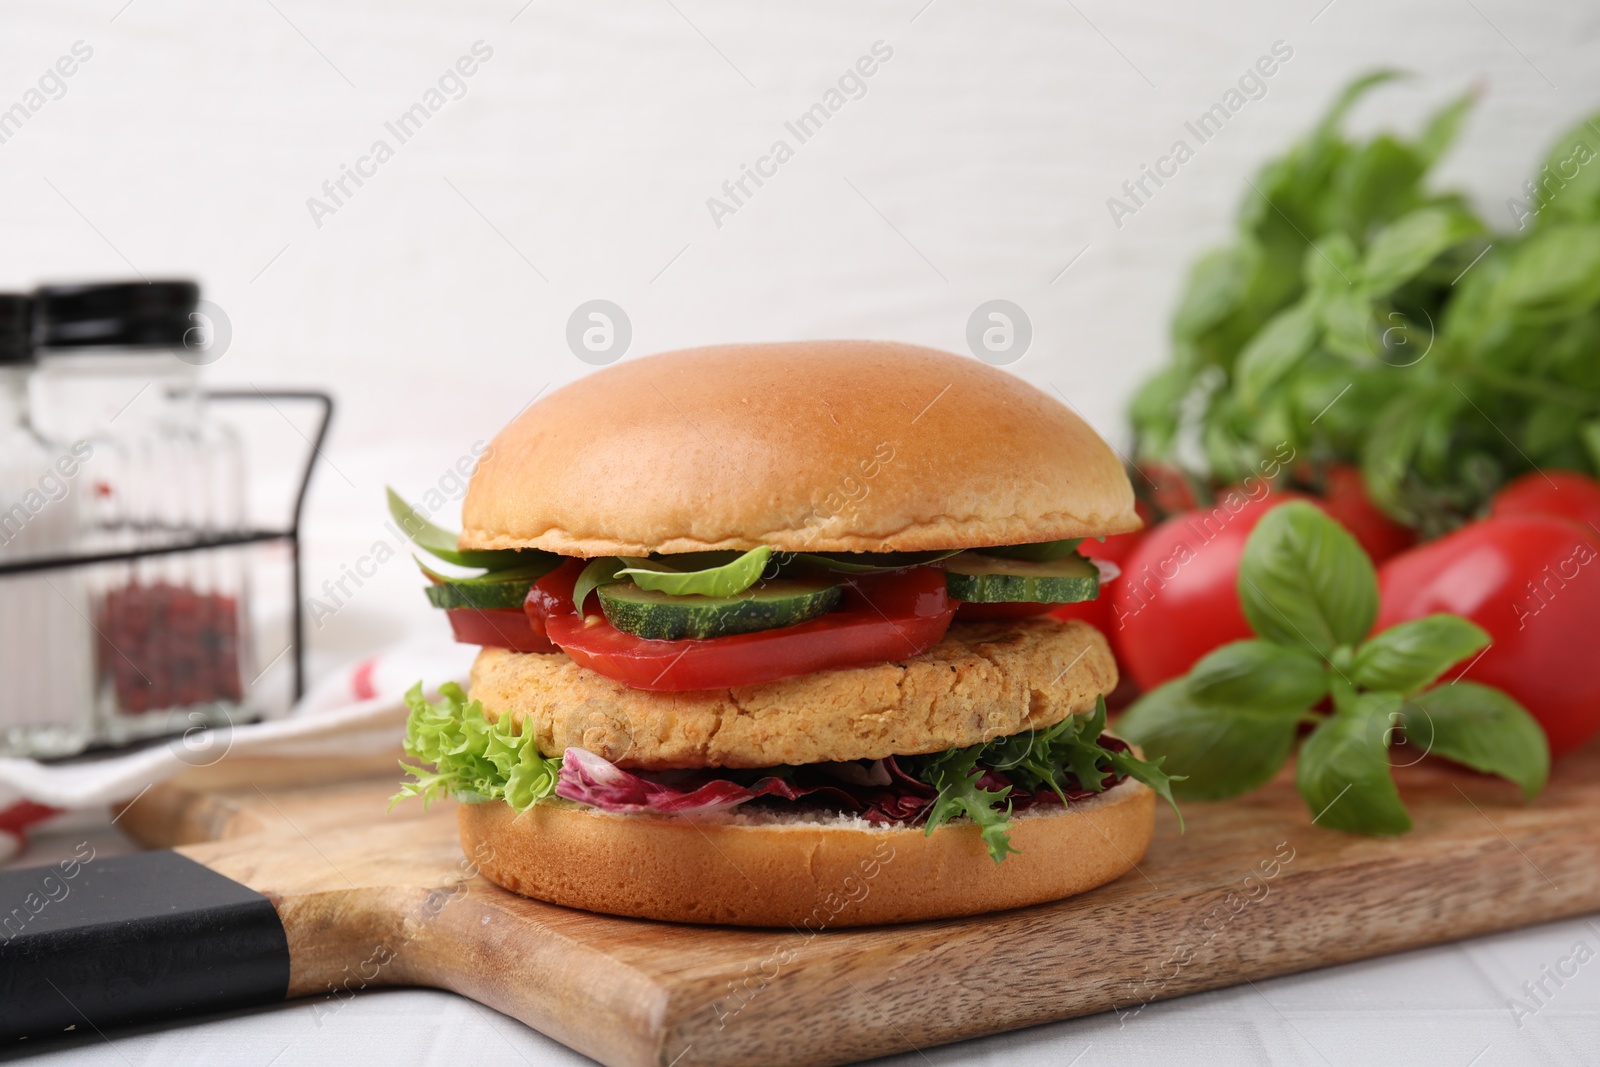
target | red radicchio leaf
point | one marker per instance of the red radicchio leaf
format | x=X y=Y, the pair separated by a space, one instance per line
x=881 y=792
x=594 y=780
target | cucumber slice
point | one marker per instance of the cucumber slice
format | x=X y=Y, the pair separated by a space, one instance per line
x=982 y=579
x=501 y=589
x=658 y=616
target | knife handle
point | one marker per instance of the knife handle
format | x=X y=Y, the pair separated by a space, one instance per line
x=96 y=942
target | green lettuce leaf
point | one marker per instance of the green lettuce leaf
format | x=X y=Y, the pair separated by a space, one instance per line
x=472 y=758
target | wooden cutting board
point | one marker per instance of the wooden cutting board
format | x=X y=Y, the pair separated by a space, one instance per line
x=1252 y=890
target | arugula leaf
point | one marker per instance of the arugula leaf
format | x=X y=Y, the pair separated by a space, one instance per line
x=1304 y=581
x=727 y=579
x=955 y=774
x=472 y=758
x=1410 y=655
x=1258 y=676
x=1481 y=728
x=1344 y=768
x=1221 y=752
x=604 y=570
x=437 y=541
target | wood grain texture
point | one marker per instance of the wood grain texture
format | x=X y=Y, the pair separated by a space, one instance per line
x=1252 y=890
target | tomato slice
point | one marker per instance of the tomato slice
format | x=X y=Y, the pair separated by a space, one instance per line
x=497 y=628
x=885 y=617
x=1018 y=609
x=552 y=594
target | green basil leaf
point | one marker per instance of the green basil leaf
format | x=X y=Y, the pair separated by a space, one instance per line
x=1275 y=350
x=1555 y=275
x=1570 y=158
x=437 y=541
x=1347 y=324
x=603 y=570
x=1410 y=655
x=1258 y=676
x=1481 y=728
x=1328 y=125
x=1443 y=125
x=1304 y=581
x=1156 y=409
x=1220 y=752
x=1401 y=249
x=1331 y=265
x=1217 y=283
x=1344 y=768
x=870 y=562
x=528 y=573
x=1037 y=552
x=658 y=575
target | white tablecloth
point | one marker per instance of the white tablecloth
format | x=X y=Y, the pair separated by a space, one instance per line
x=1446 y=1006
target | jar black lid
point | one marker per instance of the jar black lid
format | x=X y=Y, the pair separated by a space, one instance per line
x=123 y=314
x=16 y=329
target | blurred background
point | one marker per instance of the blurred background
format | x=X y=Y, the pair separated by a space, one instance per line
x=585 y=156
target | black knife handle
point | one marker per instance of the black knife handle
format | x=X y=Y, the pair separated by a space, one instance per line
x=93 y=942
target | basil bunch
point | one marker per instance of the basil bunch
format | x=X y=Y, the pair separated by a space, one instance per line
x=1360 y=317
x=1311 y=595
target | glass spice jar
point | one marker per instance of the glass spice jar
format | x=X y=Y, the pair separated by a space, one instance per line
x=46 y=642
x=171 y=628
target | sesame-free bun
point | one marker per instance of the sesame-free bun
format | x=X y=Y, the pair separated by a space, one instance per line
x=808 y=874
x=817 y=446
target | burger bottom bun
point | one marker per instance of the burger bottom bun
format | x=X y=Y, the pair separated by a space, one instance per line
x=805 y=872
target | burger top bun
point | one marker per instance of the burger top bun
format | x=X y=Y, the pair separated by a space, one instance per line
x=814 y=446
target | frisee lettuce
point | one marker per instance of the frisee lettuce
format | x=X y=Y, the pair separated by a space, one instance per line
x=472 y=758
x=955 y=774
x=1067 y=754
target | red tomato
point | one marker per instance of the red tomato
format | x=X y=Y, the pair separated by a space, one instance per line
x=1563 y=493
x=1531 y=581
x=1007 y=609
x=885 y=617
x=552 y=594
x=1345 y=499
x=1178 y=598
x=497 y=628
x=1114 y=549
x=1168 y=487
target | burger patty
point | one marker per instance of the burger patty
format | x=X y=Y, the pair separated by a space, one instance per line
x=983 y=681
